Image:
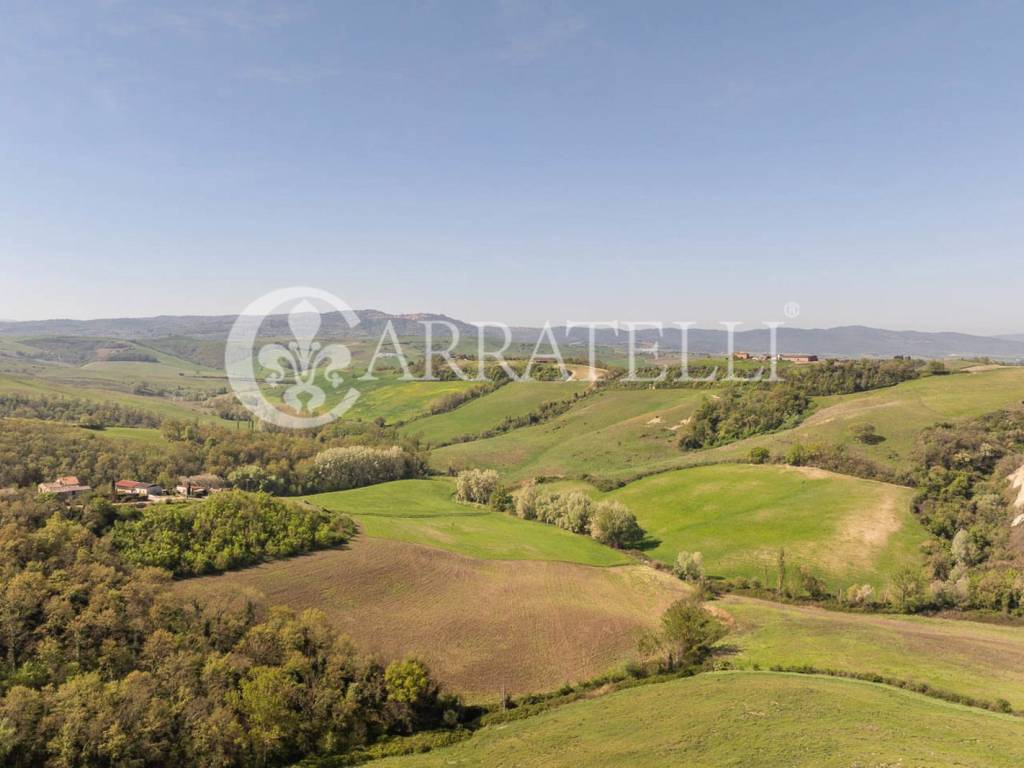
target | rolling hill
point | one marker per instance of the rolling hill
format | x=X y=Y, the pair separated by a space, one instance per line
x=768 y=720
x=425 y=512
x=984 y=661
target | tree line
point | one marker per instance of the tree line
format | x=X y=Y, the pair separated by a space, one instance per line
x=609 y=522
x=75 y=410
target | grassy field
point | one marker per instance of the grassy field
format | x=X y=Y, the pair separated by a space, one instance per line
x=387 y=398
x=480 y=624
x=424 y=512
x=745 y=719
x=144 y=435
x=738 y=516
x=899 y=414
x=970 y=658
x=483 y=413
x=614 y=433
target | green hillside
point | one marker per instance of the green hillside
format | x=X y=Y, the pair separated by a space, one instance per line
x=984 y=661
x=511 y=401
x=745 y=719
x=898 y=413
x=614 y=433
x=739 y=516
x=618 y=433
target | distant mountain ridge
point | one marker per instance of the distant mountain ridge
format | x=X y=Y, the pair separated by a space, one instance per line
x=844 y=341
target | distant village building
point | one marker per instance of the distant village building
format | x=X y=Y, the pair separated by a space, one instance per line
x=742 y=356
x=799 y=359
x=190 y=491
x=135 y=488
x=67 y=487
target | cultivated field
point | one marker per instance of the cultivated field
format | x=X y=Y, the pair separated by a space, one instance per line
x=984 y=661
x=767 y=720
x=510 y=401
x=739 y=516
x=482 y=625
x=425 y=512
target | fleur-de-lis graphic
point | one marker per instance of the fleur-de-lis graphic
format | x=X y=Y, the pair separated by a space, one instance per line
x=304 y=357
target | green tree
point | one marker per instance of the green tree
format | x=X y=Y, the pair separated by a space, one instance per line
x=265 y=701
x=908 y=587
x=865 y=433
x=759 y=455
x=408 y=681
x=687 y=633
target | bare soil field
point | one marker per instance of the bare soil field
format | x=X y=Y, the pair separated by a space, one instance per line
x=480 y=624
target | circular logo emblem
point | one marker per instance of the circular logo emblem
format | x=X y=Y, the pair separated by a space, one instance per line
x=276 y=366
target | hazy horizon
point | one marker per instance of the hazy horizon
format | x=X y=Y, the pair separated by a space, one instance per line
x=669 y=328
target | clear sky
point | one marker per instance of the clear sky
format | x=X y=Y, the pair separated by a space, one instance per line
x=517 y=160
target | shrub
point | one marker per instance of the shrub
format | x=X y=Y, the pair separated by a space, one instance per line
x=574 y=512
x=812 y=585
x=689 y=566
x=476 y=485
x=614 y=525
x=527 y=501
x=502 y=500
x=796 y=455
x=866 y=433
x=338 y=469
x=759 y=455
x=860 y=594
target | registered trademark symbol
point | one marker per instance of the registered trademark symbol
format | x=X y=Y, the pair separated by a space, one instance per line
x=791 y=310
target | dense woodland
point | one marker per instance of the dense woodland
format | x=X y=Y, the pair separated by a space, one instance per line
x=227 y=530
x=965 y=501
x=744 y=410
x=103 y=666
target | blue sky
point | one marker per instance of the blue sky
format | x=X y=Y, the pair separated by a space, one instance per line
x=517 y=160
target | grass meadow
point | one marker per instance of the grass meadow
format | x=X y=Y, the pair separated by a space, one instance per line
x=768 y=720
x=985 y=661
x=510 y=401
x=425 y=512
x=739 y=515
